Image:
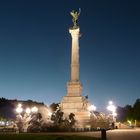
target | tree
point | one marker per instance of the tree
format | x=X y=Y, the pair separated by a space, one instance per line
x=137 y=110
x=129 y=112
x=121 y=114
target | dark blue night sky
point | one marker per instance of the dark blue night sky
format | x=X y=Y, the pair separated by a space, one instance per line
x=35 y=50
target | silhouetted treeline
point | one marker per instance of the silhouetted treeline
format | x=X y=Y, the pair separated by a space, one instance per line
x=129 y=112
x=7 y=107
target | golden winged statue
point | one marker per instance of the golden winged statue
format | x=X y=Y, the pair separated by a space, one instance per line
x=75 y=16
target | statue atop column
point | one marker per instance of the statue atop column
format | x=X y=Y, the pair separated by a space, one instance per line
x=75 y=16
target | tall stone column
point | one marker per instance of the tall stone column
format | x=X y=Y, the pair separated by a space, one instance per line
x=75 y=54
x=74 y=87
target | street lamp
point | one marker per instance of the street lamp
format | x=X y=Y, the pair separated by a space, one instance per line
x=19 y=109
x=24 y=117
x=112 y=108
x=19 y=118
x=91 y=108
x=28 y=111
x=49 y=113
x=34 y=109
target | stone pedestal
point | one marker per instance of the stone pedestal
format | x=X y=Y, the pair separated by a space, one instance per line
x=74 y=89
x=77 y=105
x=73 y=104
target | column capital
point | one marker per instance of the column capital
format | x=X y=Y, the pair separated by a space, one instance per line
x=74 y=31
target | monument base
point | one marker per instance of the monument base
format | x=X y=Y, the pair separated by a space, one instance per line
x=77 y=105
x=74 y=88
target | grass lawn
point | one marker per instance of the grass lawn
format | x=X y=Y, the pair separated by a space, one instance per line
x=43 y=137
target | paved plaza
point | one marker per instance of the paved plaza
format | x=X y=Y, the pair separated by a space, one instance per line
x=118 y=134
x=124 y=134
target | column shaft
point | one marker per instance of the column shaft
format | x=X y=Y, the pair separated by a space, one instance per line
x=75 y=55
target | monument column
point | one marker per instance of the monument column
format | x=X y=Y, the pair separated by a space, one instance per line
x=74 y=87
x=74 y=102
x=75 y=54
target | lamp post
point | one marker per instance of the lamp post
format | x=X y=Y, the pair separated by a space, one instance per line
x=28 y=110
x=92 y=108
x=19 y=117
x=24 y=117
x=34 y=109
x=19 y=109
x=112 y=108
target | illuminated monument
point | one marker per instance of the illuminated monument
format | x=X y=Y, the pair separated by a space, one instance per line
x=74 y=102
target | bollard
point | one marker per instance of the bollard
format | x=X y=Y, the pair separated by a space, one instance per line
x=103 y=134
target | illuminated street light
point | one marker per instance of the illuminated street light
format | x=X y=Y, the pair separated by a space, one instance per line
x=130 y=123
x=28 y=110
x=110 y=102
x=19 y=105
x=49 y=113
x=34 y=109
x=19 y=109
x=92 y=108
x=23 y=119
x=112 y=109
x=114 y=114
